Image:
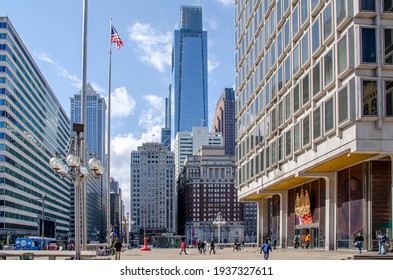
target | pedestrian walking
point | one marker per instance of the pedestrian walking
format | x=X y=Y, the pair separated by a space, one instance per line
x=358 y=243
x=212 y=247
x=265 y=248
x=183 y=248
x=117 y=246
x=308 y=238
x=381 y=242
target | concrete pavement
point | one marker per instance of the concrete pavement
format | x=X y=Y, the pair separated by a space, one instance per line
x=247 y=253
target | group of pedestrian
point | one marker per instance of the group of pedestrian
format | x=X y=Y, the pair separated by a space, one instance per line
x=381 y=237
x=201 y=245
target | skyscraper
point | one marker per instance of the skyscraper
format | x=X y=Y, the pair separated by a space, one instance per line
x=33 y=126
x=166 y=131
x=153 y=193
x=224 y=120
x=95 y=139
x=189 y=71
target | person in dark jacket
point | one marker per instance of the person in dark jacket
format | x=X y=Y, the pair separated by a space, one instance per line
x=359 y=242
x=117 y=246
x=212 y=247
x=266 y=248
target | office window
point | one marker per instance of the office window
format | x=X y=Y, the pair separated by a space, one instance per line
x=287 y=34
x=279 y=44
x=387 y=6
x=295 y=20
x=317 y=124
x=267 y=93
x=281 y=148
x=343 y=113
x=388 y=39
x=342 y=50
x=281 y=112
x=274 y=152
x=285 y=5
x=296 y=98
x=328 y=67
x=287 y=64
x=389 y=98
x=368 y=5
x=296 y=137
x=316 y=79
x=329 y=114
x=288 y=105
x=296 y=59
x=316 y=37
x=279 y=10
x=305 y=49
x=268 y=157
x=288 y=143
x=273 y=116
x=273 y=87
x=304 y=8
x=279 y=78
x=306 y=89
x=369 y=47
x=341 y=10
x=370 y=97
x=327 y=21
x=306 y=131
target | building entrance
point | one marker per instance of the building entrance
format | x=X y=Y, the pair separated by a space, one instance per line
x=301 y=233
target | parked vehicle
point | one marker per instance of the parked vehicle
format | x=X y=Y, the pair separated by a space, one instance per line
x=9 y=247
x=34 y=243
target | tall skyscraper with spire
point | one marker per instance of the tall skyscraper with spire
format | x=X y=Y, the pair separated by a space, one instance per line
x=189 y=71
x=95 y=139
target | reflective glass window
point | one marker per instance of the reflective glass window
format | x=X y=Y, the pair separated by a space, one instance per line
x=369 y=46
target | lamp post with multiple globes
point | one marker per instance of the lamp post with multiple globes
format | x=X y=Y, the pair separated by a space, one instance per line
x=72 y=167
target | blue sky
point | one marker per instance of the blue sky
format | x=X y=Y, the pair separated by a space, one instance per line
x=52 y=32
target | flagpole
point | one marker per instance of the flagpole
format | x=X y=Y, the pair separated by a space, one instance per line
x=84 y=119
x=108 y=215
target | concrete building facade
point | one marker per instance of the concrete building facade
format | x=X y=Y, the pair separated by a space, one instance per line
x=314 y=119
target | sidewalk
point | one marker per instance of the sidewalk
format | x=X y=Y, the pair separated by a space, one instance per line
x=245 y=254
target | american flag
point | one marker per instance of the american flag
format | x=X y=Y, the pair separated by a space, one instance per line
x=115 y=38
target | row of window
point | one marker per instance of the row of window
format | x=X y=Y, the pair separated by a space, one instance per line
x=337 y=110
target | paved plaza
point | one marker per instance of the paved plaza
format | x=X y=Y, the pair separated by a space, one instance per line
x=245 y=254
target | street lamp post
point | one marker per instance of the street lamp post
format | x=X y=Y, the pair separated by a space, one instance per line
x=219 y=221
x=43 y=222
x=74 y=170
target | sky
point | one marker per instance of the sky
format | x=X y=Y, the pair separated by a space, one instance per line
x=52 y=33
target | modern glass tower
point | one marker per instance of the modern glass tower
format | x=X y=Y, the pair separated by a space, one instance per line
x=189 y=71
x=33 y=126
x=95 y=139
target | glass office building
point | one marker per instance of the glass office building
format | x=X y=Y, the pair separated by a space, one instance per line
x=95 y=140
x=189 y=71
x=314 y=118
x=33 y=126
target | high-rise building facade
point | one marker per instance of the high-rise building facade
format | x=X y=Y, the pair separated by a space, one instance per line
x=224 y=120
x=33 y=127
x=153 y=195
x=189 y=71
x=208 y=188
x=188 y=144
x=314 y=119
x=95 y=140
x=116 y=209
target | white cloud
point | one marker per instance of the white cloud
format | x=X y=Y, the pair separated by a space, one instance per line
x=212 y=63
x=226 y=3
x=60 y=70
x=122 y=103
x=212 y=23
x=153 y=117
x=153 y=46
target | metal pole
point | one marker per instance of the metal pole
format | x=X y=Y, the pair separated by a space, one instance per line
x=43 y=223
x=77 y=218
x=108 y=214
x=128 y=230
x=83 y=112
